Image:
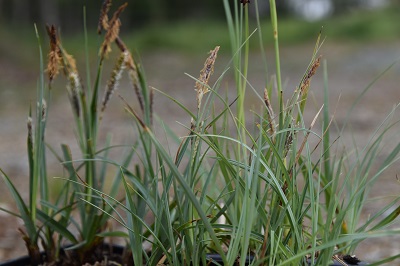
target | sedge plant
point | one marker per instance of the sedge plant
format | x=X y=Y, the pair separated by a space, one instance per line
x=261 y=195
x=66 y=221
x=272 y=189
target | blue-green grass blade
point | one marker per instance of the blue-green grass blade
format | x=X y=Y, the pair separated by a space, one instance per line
x=22 y=207
x=387 y=220
x=385 y=260
x=341 y=239
x=56 y=226
x=188 y=191
x=120 y=234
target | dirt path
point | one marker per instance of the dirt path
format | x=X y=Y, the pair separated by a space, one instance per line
x=350 y=70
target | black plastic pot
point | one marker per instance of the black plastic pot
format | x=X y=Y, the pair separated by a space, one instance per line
x=25 y=260
x=17 y=262
x=348 y=261
x=215 y=260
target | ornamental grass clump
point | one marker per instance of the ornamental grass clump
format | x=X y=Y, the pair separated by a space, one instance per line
x=267 y=188
x=277 y=193
x=66 y=220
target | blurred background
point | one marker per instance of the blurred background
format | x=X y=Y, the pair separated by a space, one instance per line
x=173 y=37
x=143 y=13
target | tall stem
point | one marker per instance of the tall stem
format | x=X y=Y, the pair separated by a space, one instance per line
x=274 y=20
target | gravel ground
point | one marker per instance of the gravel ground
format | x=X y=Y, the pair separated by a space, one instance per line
x=350 y=70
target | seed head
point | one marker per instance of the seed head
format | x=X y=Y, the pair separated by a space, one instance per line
x=205 y=74
x=270 y=112
x=70 y=62
x=73 y=88
x=112 y=31
x=43 y=111
x=103 y=18
x=29 y=126
x=305 y=84
x=114 y=79
x=55 y=58
x=135 y=84
x=122 y=46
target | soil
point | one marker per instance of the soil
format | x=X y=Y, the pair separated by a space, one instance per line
x=351 y=68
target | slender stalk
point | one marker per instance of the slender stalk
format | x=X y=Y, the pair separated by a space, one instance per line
x=274 y=20
x=260 y=37
x=88 y=82
x=243 y=72
x=326 y=140
x=38 y=150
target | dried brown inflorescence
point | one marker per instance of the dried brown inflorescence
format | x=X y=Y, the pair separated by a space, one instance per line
x=132 y=71
x=73 y=87
x=55 y=58
x=112 y=31
x=29 y=125
x=43 y=107
x=115 y=77
x=305 y=83
x=58 y=57
x=135 y=84
x=270 y=112
x=289 y=139
x=121 y=45
x=205 y=74
x=125 y=60
x=69 y=62
x=103 y=18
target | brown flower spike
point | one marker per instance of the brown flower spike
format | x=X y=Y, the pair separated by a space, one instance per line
x=114 y=79
x=270 y=112
x=305 y=84
x=205 y=74
x=73 y=87
x=103 y=19
x=112 y=31
x=55 y=58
